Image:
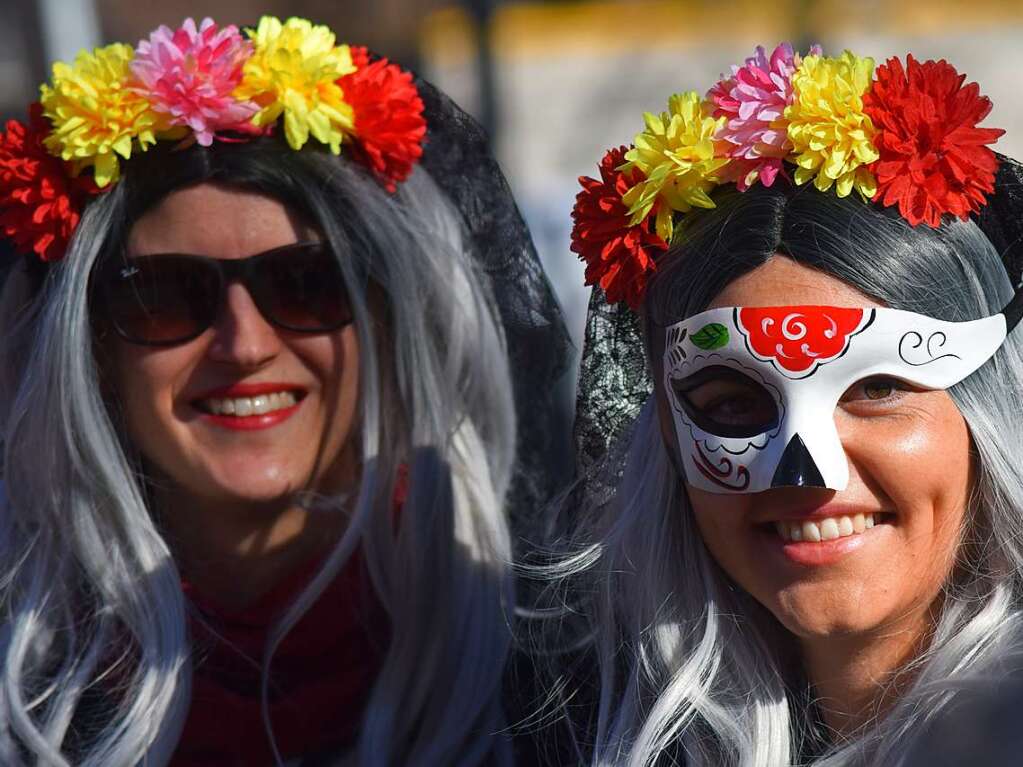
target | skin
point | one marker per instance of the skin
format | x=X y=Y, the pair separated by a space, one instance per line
x=224 y=497
x=858 y=620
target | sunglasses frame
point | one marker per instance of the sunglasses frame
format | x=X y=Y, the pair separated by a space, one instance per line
x=228 y=270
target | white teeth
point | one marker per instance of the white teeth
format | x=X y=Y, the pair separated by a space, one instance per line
x=258 y=405
x=811 y=532
x=827 y=529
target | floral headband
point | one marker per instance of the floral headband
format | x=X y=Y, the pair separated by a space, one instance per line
x=897 y=135
x=196 y=85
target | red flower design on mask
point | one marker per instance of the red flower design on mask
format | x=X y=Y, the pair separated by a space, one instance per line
x=933 y=156
x=799 y=339
x=619 y=257
x=389 y=122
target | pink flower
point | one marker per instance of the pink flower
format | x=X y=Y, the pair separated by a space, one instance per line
x=190 y=75
x=753 y=100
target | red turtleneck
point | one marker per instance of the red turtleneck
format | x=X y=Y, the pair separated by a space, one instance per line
x=320 y=676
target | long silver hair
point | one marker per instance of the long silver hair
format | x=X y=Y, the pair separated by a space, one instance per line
x=88 y=585
x=692 y=669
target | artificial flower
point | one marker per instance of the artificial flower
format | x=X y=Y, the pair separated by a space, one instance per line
x=832 y=137
x=294 y=70
x=190 y=74
x=678 y=158
x=619 y=255
x=753 y=102
x=389 y=123
x=40 y=199
x=96 y=116
x=933 y=157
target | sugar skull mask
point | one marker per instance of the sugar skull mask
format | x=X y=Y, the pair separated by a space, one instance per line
x=791 y=365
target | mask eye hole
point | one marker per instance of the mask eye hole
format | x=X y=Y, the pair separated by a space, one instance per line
x=726 y=403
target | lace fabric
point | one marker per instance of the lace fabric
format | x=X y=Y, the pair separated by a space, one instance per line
x=1002 y=218
x=457 y=156
x=614 y=380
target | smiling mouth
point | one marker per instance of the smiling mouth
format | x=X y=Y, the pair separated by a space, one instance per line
x=827 y=528
x=243 y=407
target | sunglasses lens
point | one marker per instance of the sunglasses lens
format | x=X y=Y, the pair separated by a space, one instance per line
x=302 y=289
x=162 y=299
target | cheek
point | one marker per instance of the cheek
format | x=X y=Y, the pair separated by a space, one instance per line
x=143 y=380
x=335 y=361
x=720 y=519
x=346 y=389
x=920 y=464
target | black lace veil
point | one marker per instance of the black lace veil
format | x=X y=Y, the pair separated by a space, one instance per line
x=1002 y=218
x=457 y=155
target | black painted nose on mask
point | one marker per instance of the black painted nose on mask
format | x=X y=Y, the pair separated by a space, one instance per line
x=796 y=467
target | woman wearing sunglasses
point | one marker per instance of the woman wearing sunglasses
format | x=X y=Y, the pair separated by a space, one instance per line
x=258 y=418
x=798 y=536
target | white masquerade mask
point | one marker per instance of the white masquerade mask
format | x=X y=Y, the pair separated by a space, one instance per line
x=791 y=365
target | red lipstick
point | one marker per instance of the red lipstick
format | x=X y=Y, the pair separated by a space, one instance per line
x=250 y=422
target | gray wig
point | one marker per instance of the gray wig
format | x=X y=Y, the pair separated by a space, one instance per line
x=692 y=669
x=88 y=586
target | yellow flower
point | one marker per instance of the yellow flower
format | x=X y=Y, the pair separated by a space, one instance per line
x=678 y=155
x=294 y=69
x=832 y=137
x=95 y=115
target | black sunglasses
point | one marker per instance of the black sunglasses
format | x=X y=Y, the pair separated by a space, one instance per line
x=167 y=298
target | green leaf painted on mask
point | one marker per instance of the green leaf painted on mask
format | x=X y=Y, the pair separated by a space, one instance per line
x=712 y=336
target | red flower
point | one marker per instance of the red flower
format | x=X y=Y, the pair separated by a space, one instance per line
x=933 y=156
x=40 y=201
x=389 y=123
x=619 y=257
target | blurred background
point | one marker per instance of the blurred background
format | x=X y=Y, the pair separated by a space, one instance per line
x=557 y=83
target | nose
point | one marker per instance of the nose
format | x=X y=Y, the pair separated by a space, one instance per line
x=796 y=467
x=241 y=335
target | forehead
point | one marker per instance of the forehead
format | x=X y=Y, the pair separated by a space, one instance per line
x=780 y=281
x=215 y=221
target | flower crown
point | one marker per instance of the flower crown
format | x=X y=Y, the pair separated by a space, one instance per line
x=897 y=135
x=196 y=85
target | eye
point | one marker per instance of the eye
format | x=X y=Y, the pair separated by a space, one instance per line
x=878 y=389
x=727 y=403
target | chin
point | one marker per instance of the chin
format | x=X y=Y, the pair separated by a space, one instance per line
x=255 y=501
x=254 y=485
x=834 y=624
x=821 y=627
x=814 y=616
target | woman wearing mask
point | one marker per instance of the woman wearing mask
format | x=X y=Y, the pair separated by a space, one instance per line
x=796 y=538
